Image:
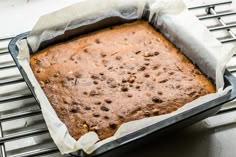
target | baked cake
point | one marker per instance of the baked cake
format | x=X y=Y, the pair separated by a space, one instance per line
x=98 y=81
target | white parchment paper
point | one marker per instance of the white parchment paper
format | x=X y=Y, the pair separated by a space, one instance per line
x=171 y=18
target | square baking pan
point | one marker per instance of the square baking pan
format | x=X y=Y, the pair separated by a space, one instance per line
x=126 y=142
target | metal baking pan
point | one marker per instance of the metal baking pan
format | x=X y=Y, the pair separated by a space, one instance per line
x=142 y=136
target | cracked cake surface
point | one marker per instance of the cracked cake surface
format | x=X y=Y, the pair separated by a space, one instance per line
x=97 y=81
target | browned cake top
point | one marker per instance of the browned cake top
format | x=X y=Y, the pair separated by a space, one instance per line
x=98 y=81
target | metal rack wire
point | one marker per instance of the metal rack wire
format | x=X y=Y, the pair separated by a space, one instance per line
x=21 y=111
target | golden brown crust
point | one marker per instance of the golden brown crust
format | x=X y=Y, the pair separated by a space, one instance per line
x=100 y=80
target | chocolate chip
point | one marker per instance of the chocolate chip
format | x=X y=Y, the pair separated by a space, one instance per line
x=156 y=53
x=120 y=116
x=191 y=94
x=197 y=72
x=155 y=67
x=146 y=75
x=101 y=73
x=112 y=125
x=121 y=67
x=96 y=114
x=163 y=81
x=108 y=101
x=103 y=54
x=85 y=50
x=85 y=93
x=56 y=74
x=131 y=79
x=97 y=41
x=130 y=95
x=71 y=58
x=159 y=92
x=94 y=76
x=118 y=57
x=171 y=73
x=156 y=100
x=104 y=108
x=95 y=82
x=137 y=87
x=137 y=52
x=38 y=71
x=97 y=103
x=106 y=117
x=77 y=74
x=87 y=108
x=74 y=102
x=124 y=89
x=142 y=68
x=74 y=109
x=123 y=80
x=146 y=64
x=93 y=93
x=47 y=81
